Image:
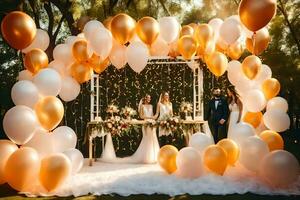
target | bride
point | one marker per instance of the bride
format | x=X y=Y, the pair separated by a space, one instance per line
x=235 y=108
x=147 y=151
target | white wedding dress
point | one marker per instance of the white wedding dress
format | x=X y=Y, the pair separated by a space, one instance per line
x=165 y=110
x=233 y=117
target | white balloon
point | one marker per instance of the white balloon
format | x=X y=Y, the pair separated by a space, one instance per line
x=63 y=52
x=41 y=41
x=276 y=120
x=91 y=28
x=101 y=42
x=189 y=163
x=234 y=71
x=42 y=142
x=216 y=24
x=240 y=132
x=64 y=138
x=264 y=73
x=118 y=55
x=200 y=141
x=25 y=75
x=252 y=151
x=76 y=158
x=230 y=31
x=48 y=82
x=71 y=39
x=169 y=28
x=19 y=124
x=280 y=168
x=70 y=89
x=159 y=48
x=278 y=103
x=255 y=101
x=59 y=66
x=25 y=93
x=137 y=56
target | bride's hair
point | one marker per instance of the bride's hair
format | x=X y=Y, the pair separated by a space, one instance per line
x=162 y=95
x=235 y=96
x=142 y=101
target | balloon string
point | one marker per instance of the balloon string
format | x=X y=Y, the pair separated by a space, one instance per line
x=253 y=43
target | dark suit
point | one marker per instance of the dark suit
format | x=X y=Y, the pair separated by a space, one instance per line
x=214 y=115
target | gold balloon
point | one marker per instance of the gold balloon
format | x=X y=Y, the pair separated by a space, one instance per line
x=186 y=30
x=22 y=168
x=107 y=23
x=80 y=51
x=232 y=150
x=251 y=66
x=173 y=52
x=82 y=72
x=270 y=88
x=204 y=34
x=54 y=171
x=18 y=29
x=253 y=118
x=256 y=14
x=272 y=139
x=49 y=111
x=235 y=51
x=82 y=21
x=261 y=42
x=187 y=46
x=98 y=64
x=122 y=28
x=7 y=148
x=194 y=26
x=217 y=63
x=215 y=159
x=167 y=158
x=147 y=29
x=35 y=60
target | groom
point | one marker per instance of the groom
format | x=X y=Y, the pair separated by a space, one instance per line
x=217 y=115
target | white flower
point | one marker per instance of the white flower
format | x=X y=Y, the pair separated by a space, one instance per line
x=109 y=125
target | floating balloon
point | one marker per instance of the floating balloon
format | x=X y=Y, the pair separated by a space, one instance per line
x=81 y=72
x=276 y=120
x=189 y=163
x=169 y=28
x=240 y=132
x=70 y=89
x=63 y=52
x=25 y=75
x=147 y=29
x=137 y=56
x=159 y=47
x=64 y=138
x=101 y=42
x=22 y=168
x=6 y=149
x=174 y=49
x=259 y=41
x=79 y=50
x=251 y=66
x=35 y=60
x=91 y=27
x=270 y=88
x=204 y=34
x=100 y=66
x=235 y=51
x=200 y=141
x=41 y=41
x=253 y=118
x=19 y=124
x=167 y=158
x=253 y=150
x=117 y=56
x=187 y=30
x=217 y=63
x=25 y=93
x=76 y=158
x=234 y=69
x=232 y=150
x=264 y=73
x=48 y=82
x=55 y=169
x=255 y=14
x=18 y=29
x=122 y=28
x=59 y=66
x=42 y=142
x=255 y=101
x=215 y=24
x=215 y=159
x=280 y=168
x=272 y=139
x=230 y=31
x=49 y=111
x=278 y=103
x=187 y=46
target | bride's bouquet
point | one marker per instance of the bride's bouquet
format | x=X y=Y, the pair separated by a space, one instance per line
x=128 y=112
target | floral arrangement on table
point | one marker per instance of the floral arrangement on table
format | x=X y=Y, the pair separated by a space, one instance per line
x=128 y=112
x=169 y=123
x=115 y=125
x=186 y=108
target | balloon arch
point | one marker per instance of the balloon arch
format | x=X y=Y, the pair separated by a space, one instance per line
x=33 y=122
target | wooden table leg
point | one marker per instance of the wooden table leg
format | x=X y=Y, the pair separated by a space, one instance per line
x=90 y=151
